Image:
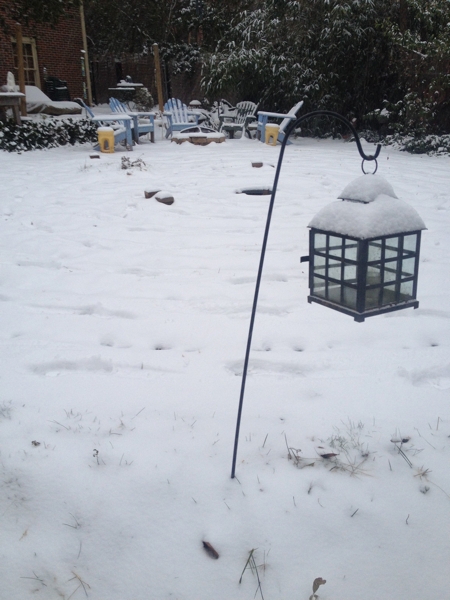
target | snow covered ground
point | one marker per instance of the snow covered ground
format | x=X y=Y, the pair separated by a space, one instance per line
x=124 y=323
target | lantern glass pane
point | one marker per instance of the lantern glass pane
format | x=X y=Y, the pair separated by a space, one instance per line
x=336 y=246
x=349 y=297
x=388 y=295
x=334 y=269
x=319 y=264
x=374 y=251
x=391 y=247
x=408 y=265
x=351 y=250
x=320 y=242
x=373 y=274
x=350 y=272
x=410 y=242
x=406 y=290
x=372 y=298
x=390 y=272
x=319 y=287
x=334 y=293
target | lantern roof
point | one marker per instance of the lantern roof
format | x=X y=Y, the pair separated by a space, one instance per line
x=368 y=209
x=367 y=188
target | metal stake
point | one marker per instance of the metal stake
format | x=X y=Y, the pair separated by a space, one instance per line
x=289 y=129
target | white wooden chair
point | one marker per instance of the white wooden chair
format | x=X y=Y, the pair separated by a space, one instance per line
x=245 y=114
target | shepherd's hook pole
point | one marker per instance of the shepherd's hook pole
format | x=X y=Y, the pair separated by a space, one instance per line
x=289 y=129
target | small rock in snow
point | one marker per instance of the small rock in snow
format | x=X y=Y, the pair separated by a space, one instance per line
x=165 y=198
x=151 y=192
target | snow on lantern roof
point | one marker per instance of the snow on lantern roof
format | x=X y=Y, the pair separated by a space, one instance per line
x=369 y=209
x=366 y=188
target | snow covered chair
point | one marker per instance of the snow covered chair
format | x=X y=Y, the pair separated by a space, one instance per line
x=178 y=116
x=241 y=120
x=120 y=123
x=143 y=122
x=263 y=118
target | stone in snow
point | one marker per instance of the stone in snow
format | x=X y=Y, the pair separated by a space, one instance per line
x=165 y=198
x=150 y=192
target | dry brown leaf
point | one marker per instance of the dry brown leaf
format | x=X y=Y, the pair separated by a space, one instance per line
x=210 y=550
x=317 y=583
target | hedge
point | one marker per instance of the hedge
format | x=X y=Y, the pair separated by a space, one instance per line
x=33 y=135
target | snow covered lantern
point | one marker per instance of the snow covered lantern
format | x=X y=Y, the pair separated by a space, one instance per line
x=364 y=251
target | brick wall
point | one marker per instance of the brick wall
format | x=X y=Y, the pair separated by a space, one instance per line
x=58 y=51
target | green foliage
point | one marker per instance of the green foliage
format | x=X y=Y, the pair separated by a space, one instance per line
x=320 y=50
x=179 y=27
x=366 y=59
x=424 y=144
x=32 y=135
x=143 y=99
x=35 y=11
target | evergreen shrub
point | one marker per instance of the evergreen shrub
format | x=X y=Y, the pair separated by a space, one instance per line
x=33 y=135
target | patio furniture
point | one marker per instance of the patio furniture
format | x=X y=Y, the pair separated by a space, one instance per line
x=240 y=121
x=38 y=102
x=11 y=100
x=121 y=125
x=178 y=116
x=56 y=89
x=143 y=122
x=198 y=135
x=263 y=118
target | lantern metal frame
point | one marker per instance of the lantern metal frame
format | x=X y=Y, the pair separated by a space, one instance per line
x=364 y=277
x=290 y=128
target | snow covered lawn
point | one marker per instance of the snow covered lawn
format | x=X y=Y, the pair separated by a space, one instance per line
x=124 y=323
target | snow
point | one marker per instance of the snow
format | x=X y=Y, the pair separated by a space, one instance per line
x=367 y=188
x=383 y=216
x=124 y=325
x=38 y=102
x=370 y=209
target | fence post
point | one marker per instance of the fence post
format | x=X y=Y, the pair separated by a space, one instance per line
x=158 y=77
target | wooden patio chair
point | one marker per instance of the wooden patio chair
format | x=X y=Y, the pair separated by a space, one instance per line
x=143 y=122
x=244 y=116
x=120 y=123
x=263 y=118
x=178 y=116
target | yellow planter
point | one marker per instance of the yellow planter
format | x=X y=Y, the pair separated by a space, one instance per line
x=272 y=134
x=106 y=139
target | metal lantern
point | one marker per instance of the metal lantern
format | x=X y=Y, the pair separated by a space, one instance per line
x=364 y=251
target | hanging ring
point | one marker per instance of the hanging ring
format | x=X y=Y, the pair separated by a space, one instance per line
x=373 y=172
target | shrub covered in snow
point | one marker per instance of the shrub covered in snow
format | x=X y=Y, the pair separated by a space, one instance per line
x=33 y=135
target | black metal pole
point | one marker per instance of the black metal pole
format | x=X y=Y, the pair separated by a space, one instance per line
x=289 y=129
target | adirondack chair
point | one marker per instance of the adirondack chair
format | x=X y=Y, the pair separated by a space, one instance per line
x=241 y=120
x=263 y=118
x=178 y=116
x=143 y=122
x=120 y=123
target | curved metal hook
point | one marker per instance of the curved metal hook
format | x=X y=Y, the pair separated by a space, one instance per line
x=330 y=113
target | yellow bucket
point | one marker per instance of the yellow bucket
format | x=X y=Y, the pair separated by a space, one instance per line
x=106 y=139
x=272 y=134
